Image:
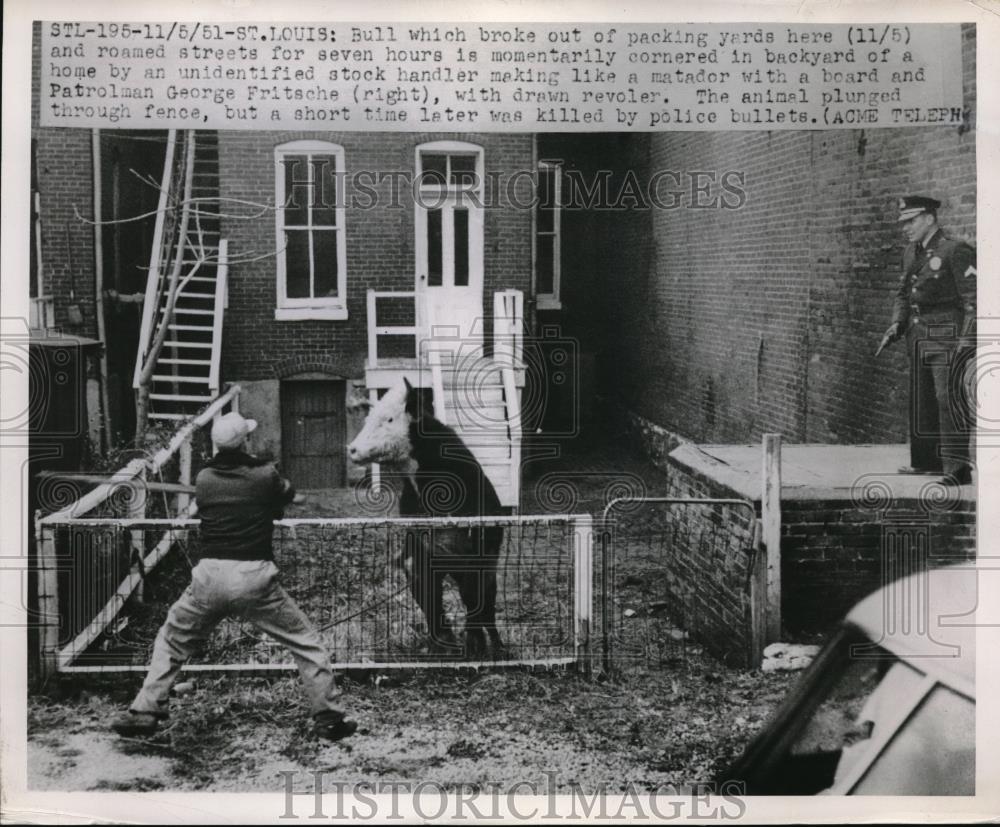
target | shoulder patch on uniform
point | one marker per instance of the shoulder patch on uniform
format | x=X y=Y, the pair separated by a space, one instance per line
x=970 y=271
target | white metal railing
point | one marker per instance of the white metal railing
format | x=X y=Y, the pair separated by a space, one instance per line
x=508 y=351
x=375 y=330
x=135 y=472
x=41 y=313
x=155 y=256
x=508 y=328
x=513 y=402
x=221 y=279
x=434 y=361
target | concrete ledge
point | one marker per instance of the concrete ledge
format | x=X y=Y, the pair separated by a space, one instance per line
x=863 y=474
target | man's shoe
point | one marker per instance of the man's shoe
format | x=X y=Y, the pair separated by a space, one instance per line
x=909 y=469
x=334 y=728
x=135 y=723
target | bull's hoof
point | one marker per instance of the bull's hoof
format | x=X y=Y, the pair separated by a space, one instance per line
x=444 y=645
x=501 y=652
x=475 y=651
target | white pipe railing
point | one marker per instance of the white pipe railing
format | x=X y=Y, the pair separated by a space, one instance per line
x=155 y=255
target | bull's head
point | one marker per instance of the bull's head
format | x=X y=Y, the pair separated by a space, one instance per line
x=385 y=436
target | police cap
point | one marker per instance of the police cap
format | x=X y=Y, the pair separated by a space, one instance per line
x=911 y=206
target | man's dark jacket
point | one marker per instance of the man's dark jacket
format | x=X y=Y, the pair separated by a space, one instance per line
x=238 y=496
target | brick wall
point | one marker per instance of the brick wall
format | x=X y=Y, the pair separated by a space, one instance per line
x=833 y=552
x=64 y=166
x=726 y=324
x=380 y=246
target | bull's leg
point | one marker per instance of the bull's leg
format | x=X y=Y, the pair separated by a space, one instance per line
x=481 y=597
x=470 y=587
x=427 y=586
x=489 y=613
x=442 y=637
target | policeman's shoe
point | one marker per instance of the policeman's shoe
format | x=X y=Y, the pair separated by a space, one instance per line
x=909 y=469
x=136 y=723
x=333 y=726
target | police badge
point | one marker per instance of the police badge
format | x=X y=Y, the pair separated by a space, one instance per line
x=935 y=263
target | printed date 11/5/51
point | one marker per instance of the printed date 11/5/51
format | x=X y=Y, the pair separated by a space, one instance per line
x=194 y=31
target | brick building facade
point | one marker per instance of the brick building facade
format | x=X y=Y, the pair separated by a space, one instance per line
x=724 y=324
x=758 y=314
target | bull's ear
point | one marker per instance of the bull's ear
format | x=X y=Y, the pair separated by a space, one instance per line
x=412 y=400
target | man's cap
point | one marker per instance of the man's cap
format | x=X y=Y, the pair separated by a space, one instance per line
x=229 y=430
x=911 y=206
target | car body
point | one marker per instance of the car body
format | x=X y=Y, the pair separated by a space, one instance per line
x=888 y=705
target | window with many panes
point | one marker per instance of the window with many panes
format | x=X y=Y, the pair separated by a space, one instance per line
x=547 y=235
x=311 y=248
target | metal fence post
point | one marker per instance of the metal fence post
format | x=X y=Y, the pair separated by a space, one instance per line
x=583 y=553
x=606 y=610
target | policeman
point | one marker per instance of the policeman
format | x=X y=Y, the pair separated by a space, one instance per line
x=935 y=307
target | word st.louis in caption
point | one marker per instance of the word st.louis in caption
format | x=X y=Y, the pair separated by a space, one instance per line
x=530 y=77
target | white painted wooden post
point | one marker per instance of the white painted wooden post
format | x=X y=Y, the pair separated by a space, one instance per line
x=758 y=599
x=137 y=511
x=376 y=471
x=48 y=598
x=770 y=512
x=184 y=459
x=583 y=562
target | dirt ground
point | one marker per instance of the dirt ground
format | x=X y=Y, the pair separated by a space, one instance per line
x=669 y=726
x=674 y=720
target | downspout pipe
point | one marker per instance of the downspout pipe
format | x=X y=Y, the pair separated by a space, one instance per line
x=102 y=369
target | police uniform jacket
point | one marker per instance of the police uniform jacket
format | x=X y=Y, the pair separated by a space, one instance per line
x=938 y=277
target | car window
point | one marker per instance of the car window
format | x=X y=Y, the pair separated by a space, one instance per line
x=932 y=753
x=867 y=690
x=867 y=699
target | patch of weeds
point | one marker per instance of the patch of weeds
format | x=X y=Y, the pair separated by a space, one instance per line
x=135 y=785
x=463 y=748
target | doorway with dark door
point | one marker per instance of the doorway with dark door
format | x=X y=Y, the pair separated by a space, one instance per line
x=313 y=432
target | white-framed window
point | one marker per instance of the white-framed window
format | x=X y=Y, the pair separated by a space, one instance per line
x=309 y=227
x=548 y=235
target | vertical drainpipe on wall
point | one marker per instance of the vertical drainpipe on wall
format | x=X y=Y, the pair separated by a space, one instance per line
x=531 y=304
x=95 y=143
